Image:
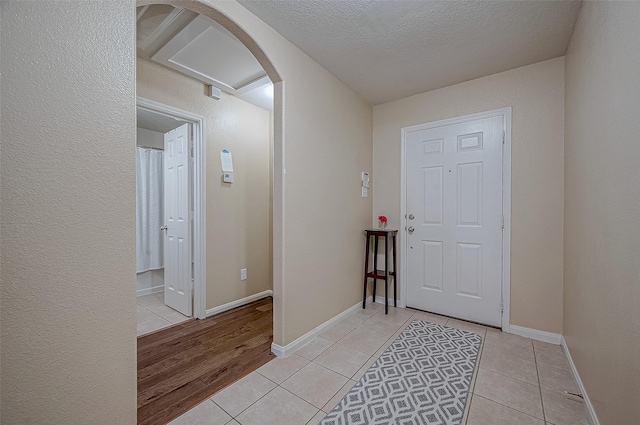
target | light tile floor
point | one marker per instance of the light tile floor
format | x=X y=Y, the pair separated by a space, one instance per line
x=153 y=314
x=519 y=381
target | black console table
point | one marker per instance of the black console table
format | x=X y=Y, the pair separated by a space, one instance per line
x=384 y=274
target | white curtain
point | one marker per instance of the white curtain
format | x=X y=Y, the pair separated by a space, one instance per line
x=149 y=205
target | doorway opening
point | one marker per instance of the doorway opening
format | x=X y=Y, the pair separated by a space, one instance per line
x=190 y=61
x=170 y=284
x=234 y=30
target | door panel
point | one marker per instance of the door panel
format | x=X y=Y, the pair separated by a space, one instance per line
x=454 y=191
x=432 y=268
x=177 y=201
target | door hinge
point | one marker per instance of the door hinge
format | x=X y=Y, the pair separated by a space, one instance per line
x=502 y=222
x=503 y=136
x=501 y=306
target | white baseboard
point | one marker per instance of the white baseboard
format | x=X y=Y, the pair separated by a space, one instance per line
x=238 y=303
x=285 y=351
x=593 y=419
x=536 y=334
x=148 y=291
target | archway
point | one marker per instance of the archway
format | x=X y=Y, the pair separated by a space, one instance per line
x=209 y=11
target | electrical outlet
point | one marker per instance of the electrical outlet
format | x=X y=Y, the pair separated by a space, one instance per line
x=243 y=274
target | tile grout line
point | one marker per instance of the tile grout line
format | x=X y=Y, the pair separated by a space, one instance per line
x=535 y=359
x=158 y=316
x=515 y=379
x=243 y=410
x=474 y=379
x=511 y=377
x=510 y=408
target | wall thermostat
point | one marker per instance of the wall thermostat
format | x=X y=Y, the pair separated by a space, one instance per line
x=365 y=179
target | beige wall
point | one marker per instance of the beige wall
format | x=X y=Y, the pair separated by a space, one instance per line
x=535 y=93
x=602 y=207
x=68 y=213
x=238 y=214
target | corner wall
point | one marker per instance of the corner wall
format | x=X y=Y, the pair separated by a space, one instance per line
x=536 y=94
x=238 y=214
x=68 y=312
x=602 y=207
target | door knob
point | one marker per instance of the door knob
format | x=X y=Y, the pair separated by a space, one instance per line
x=164 y=227
x=411 y=216
x=410 y=230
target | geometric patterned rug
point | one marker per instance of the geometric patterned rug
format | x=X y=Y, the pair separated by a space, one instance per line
x=423 y=378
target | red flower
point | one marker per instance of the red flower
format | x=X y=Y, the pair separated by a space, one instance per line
x=382 y=218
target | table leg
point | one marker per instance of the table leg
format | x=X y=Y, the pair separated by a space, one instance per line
x=395 y=273
x=386 y=275
x=366 y=266
x=375 y=264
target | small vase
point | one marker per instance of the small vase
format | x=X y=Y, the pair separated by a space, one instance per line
x=382 y=225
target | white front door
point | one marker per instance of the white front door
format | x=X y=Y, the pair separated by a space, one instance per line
x=177 y=201
x=454 y=219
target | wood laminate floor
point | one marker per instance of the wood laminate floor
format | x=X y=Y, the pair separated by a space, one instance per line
x=180 y=366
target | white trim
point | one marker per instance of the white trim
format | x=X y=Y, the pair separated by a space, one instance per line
x=506 y=203
x=545 y=336
x=506 y=213
x=175 y=13
x=149 y=291
x=403 y=221
x=277 y=211
x=199 y=198
x=239 y=303
x=139 y=15
x=288 y=349
x=593 y=418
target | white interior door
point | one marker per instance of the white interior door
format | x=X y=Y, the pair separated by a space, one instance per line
x=177 y=201
x=454 y=219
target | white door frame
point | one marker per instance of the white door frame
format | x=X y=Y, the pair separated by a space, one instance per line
x=199 y=199
x=506 y=202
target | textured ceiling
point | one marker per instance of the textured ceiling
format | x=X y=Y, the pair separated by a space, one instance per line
x=387 y=50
